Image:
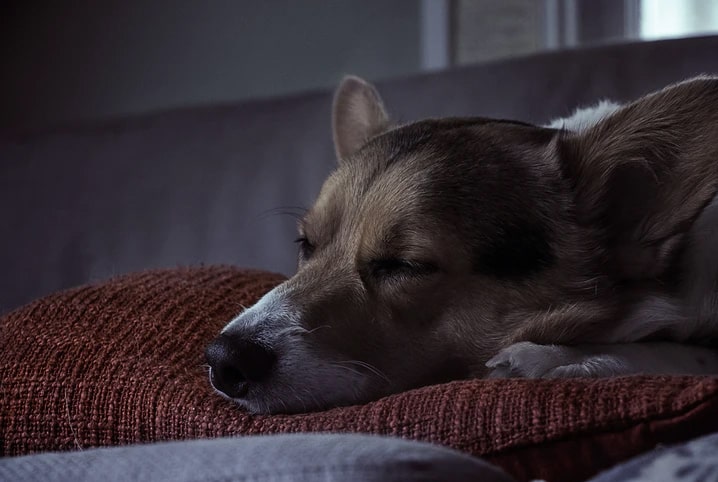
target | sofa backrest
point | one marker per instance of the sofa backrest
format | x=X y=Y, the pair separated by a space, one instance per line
x=206 y=185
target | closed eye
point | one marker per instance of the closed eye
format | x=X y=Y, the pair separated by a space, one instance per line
x=306 y=249
x=392 y=268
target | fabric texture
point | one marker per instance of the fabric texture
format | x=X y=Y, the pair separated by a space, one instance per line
x=326 y=457
x=278 y=458
x=121 y=362
x=695 y=461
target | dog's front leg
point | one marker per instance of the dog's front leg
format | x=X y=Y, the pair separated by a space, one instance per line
x=529 y=360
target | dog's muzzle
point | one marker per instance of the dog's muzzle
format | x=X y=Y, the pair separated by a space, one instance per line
x=237 y=362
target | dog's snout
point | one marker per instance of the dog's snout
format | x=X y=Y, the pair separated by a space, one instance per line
x=236 y=362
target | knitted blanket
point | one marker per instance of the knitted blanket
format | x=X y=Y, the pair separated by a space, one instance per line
x=121 y=362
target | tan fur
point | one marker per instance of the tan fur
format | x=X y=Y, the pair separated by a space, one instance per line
x=648 y=170
x=357 y=115
x=437 y=244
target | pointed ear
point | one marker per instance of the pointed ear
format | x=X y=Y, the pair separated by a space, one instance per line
x=643 y=174
x=357 y=115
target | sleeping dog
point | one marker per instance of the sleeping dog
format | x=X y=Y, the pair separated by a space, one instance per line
x=470 y=247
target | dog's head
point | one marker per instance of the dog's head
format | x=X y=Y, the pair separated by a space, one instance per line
x=435 y=244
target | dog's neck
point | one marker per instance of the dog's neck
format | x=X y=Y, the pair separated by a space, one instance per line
x=585 y=117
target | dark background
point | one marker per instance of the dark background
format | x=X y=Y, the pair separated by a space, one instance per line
x=70 y=60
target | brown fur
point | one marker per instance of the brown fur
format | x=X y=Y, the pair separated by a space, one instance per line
x=613 y=203
x=436 y=244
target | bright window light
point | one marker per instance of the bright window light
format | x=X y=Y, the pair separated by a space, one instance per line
x=678 y=18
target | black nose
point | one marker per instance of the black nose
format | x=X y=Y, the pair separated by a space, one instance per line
x=236 y=362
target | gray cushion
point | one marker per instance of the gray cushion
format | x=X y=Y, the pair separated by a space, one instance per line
x=695 y=461
x=297 y=457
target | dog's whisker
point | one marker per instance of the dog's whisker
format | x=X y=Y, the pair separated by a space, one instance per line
x=314 y=398
x=356 y=393
x=309 y=332
x=371 y=368
x=239 y=307
x=281 y=400
x=296 y=395
x=291 y=331
x=299 y=330
x=356 y=372
x=295 y=212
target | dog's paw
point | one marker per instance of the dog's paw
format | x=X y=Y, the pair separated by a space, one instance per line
x=529 y=360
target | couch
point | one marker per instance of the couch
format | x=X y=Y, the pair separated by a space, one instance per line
x=210 y=184
x=115 y=274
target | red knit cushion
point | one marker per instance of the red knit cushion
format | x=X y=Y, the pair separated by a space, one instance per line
x=122 y=362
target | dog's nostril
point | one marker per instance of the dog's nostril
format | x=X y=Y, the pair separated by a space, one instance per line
x=236 y=362
x=229 y=382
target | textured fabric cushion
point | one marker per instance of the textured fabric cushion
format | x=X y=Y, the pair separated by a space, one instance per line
x=695 y=461
x=277 y=458
x=122 y=362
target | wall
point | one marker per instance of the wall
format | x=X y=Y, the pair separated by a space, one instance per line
x=67 y=61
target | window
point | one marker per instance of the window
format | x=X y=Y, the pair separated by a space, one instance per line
x=677 y=18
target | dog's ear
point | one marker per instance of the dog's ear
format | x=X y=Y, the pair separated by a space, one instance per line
x=357 y=115
x=644 y=174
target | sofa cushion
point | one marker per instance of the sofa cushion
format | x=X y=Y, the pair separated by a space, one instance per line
x=122 y=362
x=275 y=458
